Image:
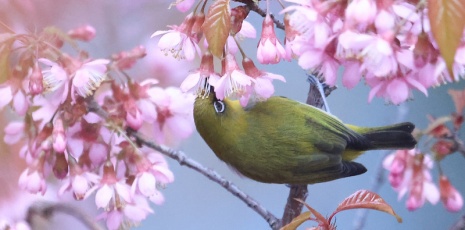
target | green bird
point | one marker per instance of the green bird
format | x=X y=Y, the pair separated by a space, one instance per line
x=286 y=142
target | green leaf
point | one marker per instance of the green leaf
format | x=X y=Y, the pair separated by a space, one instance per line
x=217 y=26
x=296 y=222
x=368 y=200
x=447 y=19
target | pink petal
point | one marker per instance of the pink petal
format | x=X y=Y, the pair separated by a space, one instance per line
x=148 y=110
x=416 y=84
x=397 y=91
x=310 y=59
x=123 y=191
x=134 y=213
x=114 y=219
x=179 y=126
x=184 y=5
x=169 y=40
x=80 y=185
x=248 y=30
x=157 y=198
x=351 y=76
x=20 y=103
x=191 y=81
x=6 y=95
x=374 y=91
x=103 y=196
x=163 y=174
x=431 y=192
x=147 y=184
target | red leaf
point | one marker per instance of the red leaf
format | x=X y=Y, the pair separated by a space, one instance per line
x=217 y=25
x=296 y=222
x=447 y=19
x=319 y=218
x=365 y=199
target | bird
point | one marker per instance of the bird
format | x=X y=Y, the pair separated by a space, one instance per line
x=283 y=141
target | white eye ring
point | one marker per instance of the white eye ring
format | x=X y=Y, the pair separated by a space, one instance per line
x=219 y=106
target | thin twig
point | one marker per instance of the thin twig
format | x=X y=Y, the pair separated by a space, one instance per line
x=183 y=160
x=459 y=145
x=254 y=7
x=460 y=224
x=46 y=211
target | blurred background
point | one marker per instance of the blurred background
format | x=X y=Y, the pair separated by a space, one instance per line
x=192 y=201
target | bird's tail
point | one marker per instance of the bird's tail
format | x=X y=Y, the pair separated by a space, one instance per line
x=397 y=136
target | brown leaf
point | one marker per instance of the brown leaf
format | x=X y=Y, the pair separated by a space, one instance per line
x=296 y=222
x=368 y=200
x=216 y=26
x=447 y=19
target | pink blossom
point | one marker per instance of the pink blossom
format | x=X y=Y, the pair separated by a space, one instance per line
x=88 y=78
x=234 y=80
x=129 y=213
x=262 y=85
x=197 y=79
x=110 y=187
x=317 y=59
x=450 y=197
x=80 y=183
x=379 y=57
x=32 y=181
x=174 y=121
x=361 y=11
x=83 y=33
x=270 y=50
x=55 y=80
x=409 y=174
x=180 y=41
x=86 y=138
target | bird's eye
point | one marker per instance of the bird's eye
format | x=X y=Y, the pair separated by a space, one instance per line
x=219 y=106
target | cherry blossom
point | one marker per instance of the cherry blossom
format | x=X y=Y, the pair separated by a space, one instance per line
x=199 y=78
x=450 y=197
x=174 y=121
x=270 y=50
x=180 y=41
x=262 y=85
x=409 y=174
x=233 y=81
x=84 y=33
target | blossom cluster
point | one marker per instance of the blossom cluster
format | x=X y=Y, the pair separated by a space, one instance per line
x=409 y=170
x=72 y=113
x=388 y=43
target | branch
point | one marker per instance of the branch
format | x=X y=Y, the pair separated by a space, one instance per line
x=459 y=145
x=183 y=160
x=460 y=224
x=46 y=211
x=254 y=7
